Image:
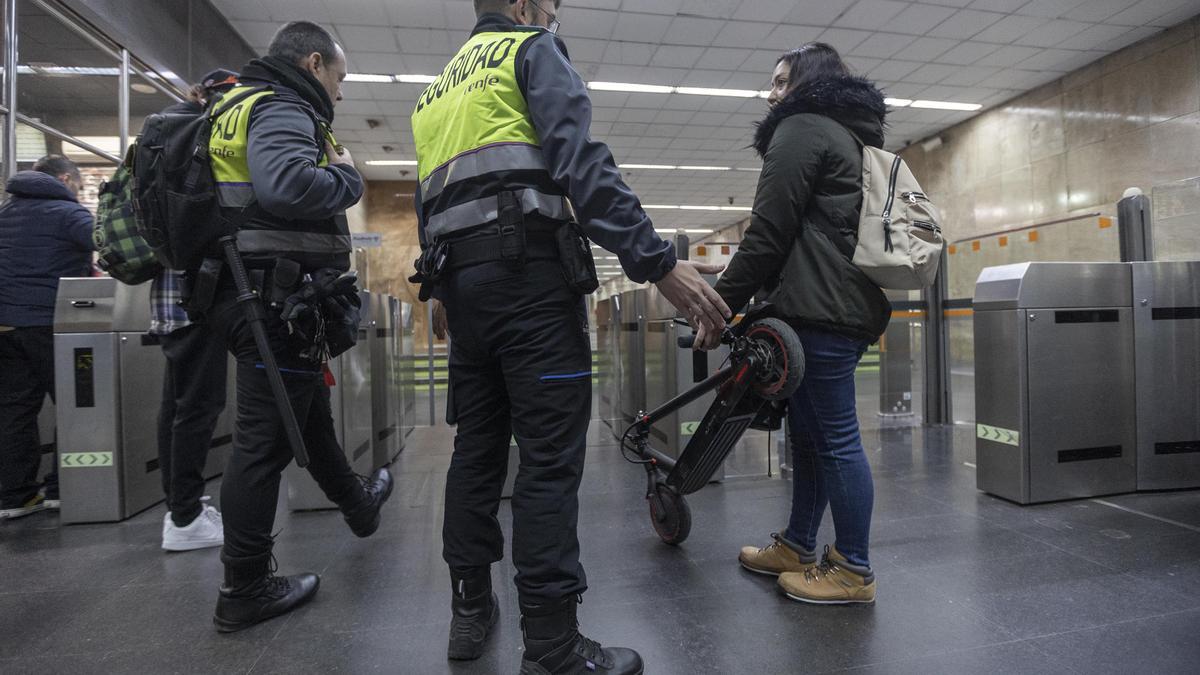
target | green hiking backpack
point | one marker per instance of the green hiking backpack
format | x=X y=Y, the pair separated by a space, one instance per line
x=123 y=253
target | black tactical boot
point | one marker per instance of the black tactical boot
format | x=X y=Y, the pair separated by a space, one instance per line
x=554 y=645
x=475 y=611
x=252 y=593
x=362 y=512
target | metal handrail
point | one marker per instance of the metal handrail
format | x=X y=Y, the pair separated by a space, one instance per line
x=62 y=136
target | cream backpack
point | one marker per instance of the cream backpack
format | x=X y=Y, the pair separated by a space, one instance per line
x=899 y=232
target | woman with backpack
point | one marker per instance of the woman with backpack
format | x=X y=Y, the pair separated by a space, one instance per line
x=797 y=253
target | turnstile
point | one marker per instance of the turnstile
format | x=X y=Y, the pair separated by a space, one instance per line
x=109 y=383
x=607 y=338
x=670 y=371
x=1166 y=319
x=1054 y=372
x=385 y=422
x=632 y=357
x=408 y=383
x=350 y=401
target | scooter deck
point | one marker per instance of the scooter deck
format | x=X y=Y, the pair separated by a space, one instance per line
x=727 y=419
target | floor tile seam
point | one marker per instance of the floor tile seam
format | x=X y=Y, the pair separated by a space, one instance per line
x=1111 y=624
x=1097 y=562
x=948 y=652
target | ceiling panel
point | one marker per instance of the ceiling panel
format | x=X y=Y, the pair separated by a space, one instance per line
x=973 y=51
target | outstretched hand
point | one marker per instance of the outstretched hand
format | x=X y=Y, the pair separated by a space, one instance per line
x=704 y=309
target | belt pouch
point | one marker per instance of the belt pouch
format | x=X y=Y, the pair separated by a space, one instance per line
x=285 y=277
x=575 y=257
x=202 y=287
x=512 y=227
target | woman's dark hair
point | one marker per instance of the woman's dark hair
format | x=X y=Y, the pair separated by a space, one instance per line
x=813 y=62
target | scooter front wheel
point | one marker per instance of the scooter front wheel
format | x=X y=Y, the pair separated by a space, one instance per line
x=670 y=515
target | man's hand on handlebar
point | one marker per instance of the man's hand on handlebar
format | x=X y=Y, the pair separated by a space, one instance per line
x=695 y=299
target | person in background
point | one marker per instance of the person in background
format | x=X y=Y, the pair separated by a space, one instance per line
x=798 y=252
x=193 y=386
x=45 y=234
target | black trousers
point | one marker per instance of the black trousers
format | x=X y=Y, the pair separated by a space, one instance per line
x=26 y=376
x=520 y=365
x=193 y=398
x=250 y=487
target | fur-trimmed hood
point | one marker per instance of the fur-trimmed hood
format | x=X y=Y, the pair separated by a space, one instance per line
x=852 y=101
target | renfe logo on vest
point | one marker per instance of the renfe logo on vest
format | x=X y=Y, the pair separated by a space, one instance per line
x=489 y=55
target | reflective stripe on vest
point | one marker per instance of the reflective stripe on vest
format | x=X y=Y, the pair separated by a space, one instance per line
x=474 y=137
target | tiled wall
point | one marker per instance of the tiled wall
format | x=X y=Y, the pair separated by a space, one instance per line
x=1069 y=148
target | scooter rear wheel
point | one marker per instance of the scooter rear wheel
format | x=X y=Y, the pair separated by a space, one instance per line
x=673 y=523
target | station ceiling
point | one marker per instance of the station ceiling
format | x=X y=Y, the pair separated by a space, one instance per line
x=981 y=52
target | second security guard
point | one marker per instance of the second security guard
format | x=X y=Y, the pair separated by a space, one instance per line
x=273 y=156
x=506 y=169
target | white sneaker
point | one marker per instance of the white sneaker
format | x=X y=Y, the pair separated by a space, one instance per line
x=206 y=531
x=30 y=507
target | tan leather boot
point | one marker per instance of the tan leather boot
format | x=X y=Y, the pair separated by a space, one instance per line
x=834 y=582
x=781 y=556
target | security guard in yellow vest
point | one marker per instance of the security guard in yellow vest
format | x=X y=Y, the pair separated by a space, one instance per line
x=505 y=162
x=274 y=158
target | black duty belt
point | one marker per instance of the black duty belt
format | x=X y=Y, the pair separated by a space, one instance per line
x=483 y=249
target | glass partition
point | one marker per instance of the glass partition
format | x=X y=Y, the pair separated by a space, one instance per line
x=1176 y=220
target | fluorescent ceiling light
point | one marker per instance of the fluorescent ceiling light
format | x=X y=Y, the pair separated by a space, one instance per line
x=946 y=105
x=755 y=169
x=898 y=102
x=688 y=207
x=699 y=231
x=367 y=77
x=706 y=91
x=625 y=86
x=391 y=162
x=417 y=79
x=666 y=231
x=672 y=167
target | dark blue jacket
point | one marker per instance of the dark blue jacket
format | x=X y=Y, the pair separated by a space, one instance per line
x=45 y=234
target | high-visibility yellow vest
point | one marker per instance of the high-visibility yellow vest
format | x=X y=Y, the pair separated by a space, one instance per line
x=474 y=140
x=265 y=236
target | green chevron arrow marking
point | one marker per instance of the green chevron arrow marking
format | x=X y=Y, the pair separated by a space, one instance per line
x=998 y=435
x=689 y=428
x=85 y=460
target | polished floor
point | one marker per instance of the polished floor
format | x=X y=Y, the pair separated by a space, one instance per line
x=967 y=583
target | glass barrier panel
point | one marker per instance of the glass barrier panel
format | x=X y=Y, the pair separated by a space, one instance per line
x=1176 y=220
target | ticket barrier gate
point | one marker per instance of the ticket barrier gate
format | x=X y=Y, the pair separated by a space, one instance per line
x=1166 y=327
x=385 y=416
x=350 y=401
x=1054 y=375
x=608 y=329
x=671 y=371
x=109 y=382
x=631 y=350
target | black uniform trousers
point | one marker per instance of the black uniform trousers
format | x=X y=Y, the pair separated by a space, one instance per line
x=250 y=486
x=520 y=365
x=26 y=376
x=193 y=398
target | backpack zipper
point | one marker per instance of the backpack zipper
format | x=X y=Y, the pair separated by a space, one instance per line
x=927 y=226
x=914 y=197
x=887 y=208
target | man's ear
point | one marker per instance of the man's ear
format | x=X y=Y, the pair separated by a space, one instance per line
x=315 y=61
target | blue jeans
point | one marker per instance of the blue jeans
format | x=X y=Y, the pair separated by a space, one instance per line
x=829 y=464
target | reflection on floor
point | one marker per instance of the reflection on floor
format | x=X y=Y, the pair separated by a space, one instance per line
x=967 y=583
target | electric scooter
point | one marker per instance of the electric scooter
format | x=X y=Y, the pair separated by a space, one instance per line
x=766 y=364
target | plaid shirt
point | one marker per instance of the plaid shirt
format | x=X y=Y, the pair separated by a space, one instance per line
x=166 y=316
